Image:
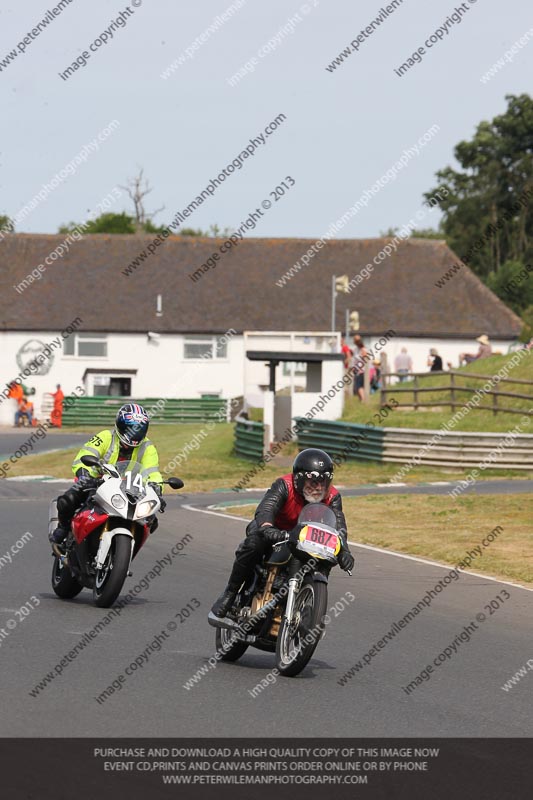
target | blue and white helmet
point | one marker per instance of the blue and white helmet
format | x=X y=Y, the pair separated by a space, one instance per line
x=131 y=424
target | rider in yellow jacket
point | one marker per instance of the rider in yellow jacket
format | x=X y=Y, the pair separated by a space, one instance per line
x=107 y=446
x=126 y=442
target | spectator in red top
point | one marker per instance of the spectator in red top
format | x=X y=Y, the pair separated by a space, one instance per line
x=347 y=352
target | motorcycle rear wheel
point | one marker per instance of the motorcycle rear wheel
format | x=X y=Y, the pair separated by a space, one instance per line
x=64 y=583
x=292 y=655
x=110 y=579
x=227 y=651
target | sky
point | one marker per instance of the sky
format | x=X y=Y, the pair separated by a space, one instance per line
x=342 y=128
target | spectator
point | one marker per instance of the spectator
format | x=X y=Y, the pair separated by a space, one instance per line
x=16 y=392
x=434 y=361
x=347 y=352
x=485 y=350
x=375 y=376
x=403 y=364
x=25 y=410
x=359 y=360
x=56 y=417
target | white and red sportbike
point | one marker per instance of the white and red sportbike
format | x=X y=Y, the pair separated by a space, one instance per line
x=106 y=533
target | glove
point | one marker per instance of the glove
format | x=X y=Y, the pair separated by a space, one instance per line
x=346 y=560
x=158 y=489
x=85 y=482
x=274 y=535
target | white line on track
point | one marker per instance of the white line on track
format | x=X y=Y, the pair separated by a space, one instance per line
x=381 y=550
x=214 y=513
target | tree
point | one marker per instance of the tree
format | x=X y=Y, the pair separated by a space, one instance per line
x=6 y=223
x=212 y=232
x=421 y=233
x=527 y=331
x=192 y=232
x=426 y=233
x=488 y=209
x=137 y=189
x=513 y=283
x=105 y=223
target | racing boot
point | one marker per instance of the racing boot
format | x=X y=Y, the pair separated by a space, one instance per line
x=222 y=604
x=57 y=540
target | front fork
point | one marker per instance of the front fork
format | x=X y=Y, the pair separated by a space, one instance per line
x=297 y=572
x=294 y=585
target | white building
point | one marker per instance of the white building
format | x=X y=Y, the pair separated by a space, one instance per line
x=156 y=331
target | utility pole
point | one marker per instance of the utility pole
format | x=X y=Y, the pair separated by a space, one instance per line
x=339 y=284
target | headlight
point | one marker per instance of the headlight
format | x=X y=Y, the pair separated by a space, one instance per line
x=118 y=501
x=145 y=508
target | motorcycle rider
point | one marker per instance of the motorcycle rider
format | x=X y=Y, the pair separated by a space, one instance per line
x=277 y=513
x=127 y=442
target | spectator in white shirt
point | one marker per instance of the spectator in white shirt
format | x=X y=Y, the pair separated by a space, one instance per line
x=403 y=364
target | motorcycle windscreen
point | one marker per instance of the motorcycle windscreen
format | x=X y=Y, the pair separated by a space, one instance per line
x=132 y=482
x=318 y=536
x=318 y=512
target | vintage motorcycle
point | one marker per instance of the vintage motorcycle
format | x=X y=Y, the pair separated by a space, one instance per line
x=282 y=609
x=106 y=533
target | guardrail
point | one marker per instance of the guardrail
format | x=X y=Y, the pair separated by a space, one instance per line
x=102 y=410
x=249 y=439
x=400 y=445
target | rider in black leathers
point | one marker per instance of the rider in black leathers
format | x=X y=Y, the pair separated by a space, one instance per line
x=278 y=513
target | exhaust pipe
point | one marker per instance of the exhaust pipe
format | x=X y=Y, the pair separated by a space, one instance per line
x=222 y=622
x=230 y=624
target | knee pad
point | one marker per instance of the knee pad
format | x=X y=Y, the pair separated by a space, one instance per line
x=66 y=505
x=63 y=505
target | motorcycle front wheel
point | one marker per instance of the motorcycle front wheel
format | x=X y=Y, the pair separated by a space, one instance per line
x=228 y=647
x=110 y=579
x=297 y=640
x=64 y=583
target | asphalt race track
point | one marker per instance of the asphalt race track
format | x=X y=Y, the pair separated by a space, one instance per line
x=462 y=698
x=54 y=440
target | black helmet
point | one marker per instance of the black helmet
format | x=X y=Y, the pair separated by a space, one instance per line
x=312 y=463
x=131 y=424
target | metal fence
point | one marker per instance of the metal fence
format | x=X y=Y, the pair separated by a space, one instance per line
x=249 y=439
x=449 y=448
x=102 y=410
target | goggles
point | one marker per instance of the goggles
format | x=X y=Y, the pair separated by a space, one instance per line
x=319 y=477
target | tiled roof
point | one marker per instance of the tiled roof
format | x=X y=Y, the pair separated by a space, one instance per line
x=241 y=292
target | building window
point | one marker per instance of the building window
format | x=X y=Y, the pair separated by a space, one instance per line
x=205 y=347
x=111 y=386
x=300 y=367
x=86 y=345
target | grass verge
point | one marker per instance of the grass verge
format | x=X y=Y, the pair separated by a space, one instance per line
x=210 y=464
x=436 y=416
x=443 y=529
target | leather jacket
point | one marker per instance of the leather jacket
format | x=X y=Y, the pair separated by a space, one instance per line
x=277 y=497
